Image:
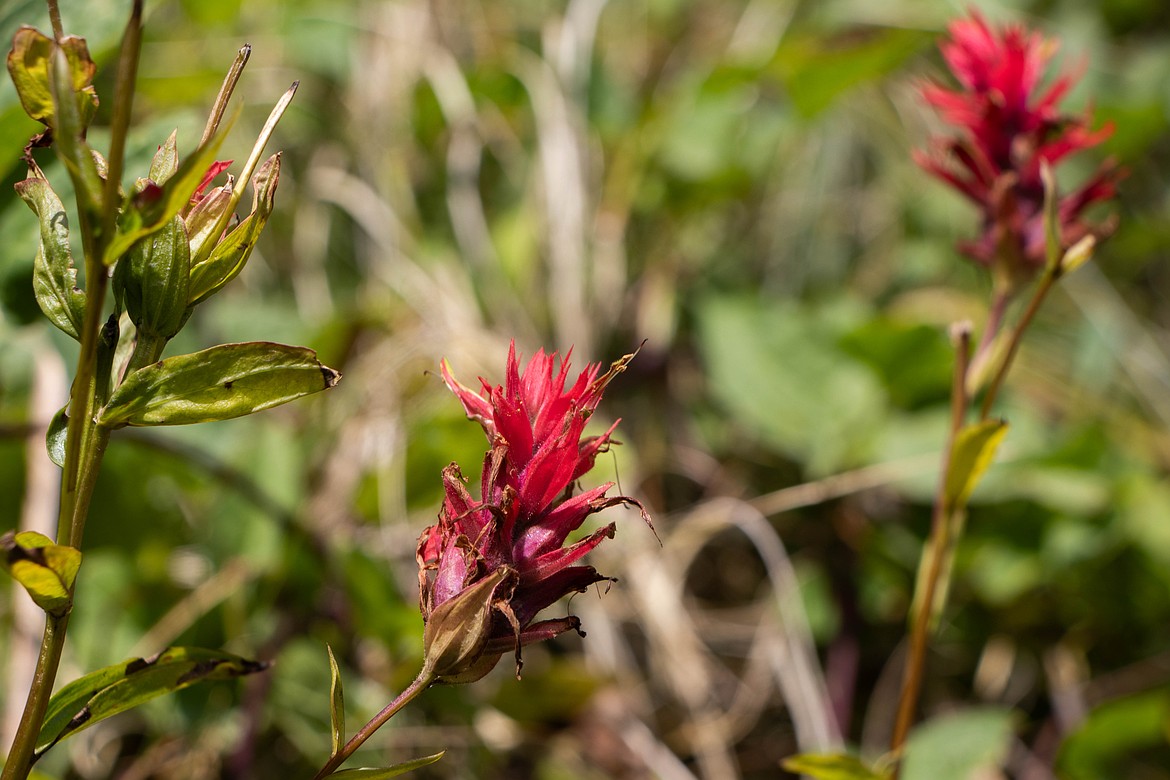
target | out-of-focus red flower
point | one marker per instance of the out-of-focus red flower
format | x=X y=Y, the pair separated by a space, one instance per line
x=506 y=553
x=1008 y=127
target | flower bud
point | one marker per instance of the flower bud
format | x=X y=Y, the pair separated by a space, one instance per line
x=458 y=630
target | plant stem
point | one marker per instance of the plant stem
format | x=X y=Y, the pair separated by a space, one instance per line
x=1046 y=283
x=941 y=522
x=20 y=758
x=420 y=684
x=55 y=20
x=85 y=441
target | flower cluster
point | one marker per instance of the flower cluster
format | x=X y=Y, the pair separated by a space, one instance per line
x=490 y=565
x=1009 y=128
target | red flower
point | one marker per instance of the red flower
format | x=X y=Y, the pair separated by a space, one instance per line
x=507 y=551
x=1009 y=127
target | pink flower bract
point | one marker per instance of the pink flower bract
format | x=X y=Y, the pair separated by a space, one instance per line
x=1008 y=127
x=517 y=532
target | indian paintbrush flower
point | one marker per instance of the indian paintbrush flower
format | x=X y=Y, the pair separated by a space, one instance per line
x=489 y=566
x=1009 y=129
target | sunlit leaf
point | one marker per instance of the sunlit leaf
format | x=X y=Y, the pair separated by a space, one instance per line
x=390 y=771
x=29 y=65
x=336 y=705
x=973 y=451
x=114 y=689
x=46 y=570
x=54 y=276
x=220 y=383
x=835 y=766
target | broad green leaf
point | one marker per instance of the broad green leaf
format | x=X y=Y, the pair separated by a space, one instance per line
x=959 y=746
x=55 y=436
x=153 y=278
x=114 y=689
x=816 y=71
x=390 y=771
x=832 y=766
x=824 y=414
x=54 y=276
x=69 y=134
x=29 y=65
x=153 y=207
x=220 y=383
x=46 y=570
x=228 y=257
x=336 y=705
x=971 y=454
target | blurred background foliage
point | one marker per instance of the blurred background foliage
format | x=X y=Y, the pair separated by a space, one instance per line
x=729 y=183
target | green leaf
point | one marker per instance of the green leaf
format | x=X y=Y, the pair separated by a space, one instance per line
x=114 y=689
x=971 y=454
x=832 y=766
x=390 y=771
x=54 y=275
x=153 y=279
x=220 y=383
x=28 y=64
x=55 y=436
x=825 y=414
x=336 y=705
x=1117 y=736
x=46 y=570
x=816 y=72
x=959 y=746
x=230 y=255
x=154 y=206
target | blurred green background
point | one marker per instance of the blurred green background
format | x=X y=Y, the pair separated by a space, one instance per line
x=730 y=183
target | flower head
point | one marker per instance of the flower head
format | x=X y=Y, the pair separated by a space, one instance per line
x=506 y=552
x=1009 y=128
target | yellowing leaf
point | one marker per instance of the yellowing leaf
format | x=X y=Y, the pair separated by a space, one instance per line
x=832 y=766
x=971 y=454
x=336 y=705
x=46 y=570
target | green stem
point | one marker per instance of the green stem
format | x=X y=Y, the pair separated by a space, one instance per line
x=85 y=441
x=55 y=20
x=940 y=527
x=420 y=684
x=1046 y=283
x=20 y=758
